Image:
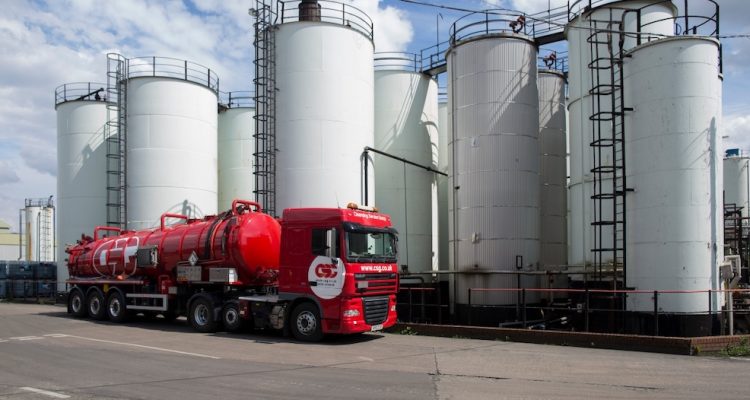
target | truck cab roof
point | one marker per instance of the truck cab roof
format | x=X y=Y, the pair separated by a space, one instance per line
x=335 y=215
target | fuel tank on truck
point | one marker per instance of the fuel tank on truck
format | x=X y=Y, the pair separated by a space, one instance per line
x=243 y=238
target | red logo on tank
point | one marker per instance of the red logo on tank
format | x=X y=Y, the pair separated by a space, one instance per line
x=326 y=271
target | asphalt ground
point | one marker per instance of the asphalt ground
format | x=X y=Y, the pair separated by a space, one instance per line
x=45 y=354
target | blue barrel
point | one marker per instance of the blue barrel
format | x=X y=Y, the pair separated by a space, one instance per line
x=3 y=270
x=45 y=288
x=2 y=288
x=46 y=271
x=20 y=270
x=22 y=289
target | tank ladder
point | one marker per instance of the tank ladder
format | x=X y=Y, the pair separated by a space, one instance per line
x=114 y=139
x=608 y=149
x=265 y=103
x=45 y=234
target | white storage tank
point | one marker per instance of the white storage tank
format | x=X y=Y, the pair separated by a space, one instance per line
x=674 y=165
x=494 y=150
x=324 y=107
x=737 y=183
x=236 y=147
x=81 y=166
x=657 y=20
x=171 y=140
x=552 y=173
x=406 y=123
x=443 y=190
x=39 y=229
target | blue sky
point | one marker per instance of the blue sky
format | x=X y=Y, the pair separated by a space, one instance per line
x=44 y=44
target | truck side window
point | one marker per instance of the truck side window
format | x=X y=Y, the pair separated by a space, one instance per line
x=319 y=242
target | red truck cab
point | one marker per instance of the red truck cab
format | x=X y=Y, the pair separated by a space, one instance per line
x=343 y=264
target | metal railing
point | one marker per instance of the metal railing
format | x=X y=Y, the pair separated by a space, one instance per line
x=166 y=67
x=567 y=304
x=487 y=22
x=237 y=99
x=397 y=61
x=328 y=11
x=557 y=63
x=80 y=91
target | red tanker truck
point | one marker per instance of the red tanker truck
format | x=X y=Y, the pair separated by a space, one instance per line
x=313 y=272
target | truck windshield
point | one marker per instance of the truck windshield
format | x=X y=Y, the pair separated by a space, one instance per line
x=371 y=247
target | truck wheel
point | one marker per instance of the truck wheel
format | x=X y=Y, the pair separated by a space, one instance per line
x=76 y=303
x=117 y=310
x=306 y=323
x=230 y=317
x=201 y=315
x=95 y=305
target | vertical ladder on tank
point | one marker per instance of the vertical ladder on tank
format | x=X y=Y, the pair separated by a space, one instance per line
x=265 y=103
x=608 y=150
x=45 y=234
x=114 y=139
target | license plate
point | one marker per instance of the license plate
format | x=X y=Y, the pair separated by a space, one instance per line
x=378 y=327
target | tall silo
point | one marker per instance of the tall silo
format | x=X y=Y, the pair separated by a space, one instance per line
x=171 y=140
x=39 y=230
x=552 y=173
x=323 y=94
x=674 y=165
x=737 y=183
x=656 y=19
x=235 y=148
x=494 y=173
x=443 y=190
x=81 y=172
x=406 y=122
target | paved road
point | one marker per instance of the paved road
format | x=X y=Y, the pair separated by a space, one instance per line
x=44 y=354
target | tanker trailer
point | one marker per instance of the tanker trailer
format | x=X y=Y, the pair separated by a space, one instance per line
x=316 y=271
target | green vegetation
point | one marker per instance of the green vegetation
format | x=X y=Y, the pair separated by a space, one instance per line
x=741 y=349
x=407 y=331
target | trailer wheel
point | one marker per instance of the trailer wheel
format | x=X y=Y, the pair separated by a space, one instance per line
x=201 y=315
x=306 y=323
x=76 y=303
x=95 y=305
x=230 y=317
x=117 y=310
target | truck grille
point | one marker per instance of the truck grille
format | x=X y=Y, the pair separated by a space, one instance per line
x=376 y=309
x=378 y=283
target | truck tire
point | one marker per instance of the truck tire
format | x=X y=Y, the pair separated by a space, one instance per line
x=76 y=303
x=117 y=309
x=95 y=305
x=230 y=317
x=306 y=323
x=201 y=315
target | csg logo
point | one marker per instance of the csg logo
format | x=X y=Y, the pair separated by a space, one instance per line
x=326 y=271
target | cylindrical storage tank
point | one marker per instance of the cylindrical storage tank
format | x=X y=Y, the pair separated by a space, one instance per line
x=171 y=140
x=674 y=166
x=406 y=120
x=494 y=212
x=656 y=20
x=552 y=173
x=324 y=108
x=737 y=183
x=39 y=230
x=443 y=190
x=235 y=149
x=81 y=166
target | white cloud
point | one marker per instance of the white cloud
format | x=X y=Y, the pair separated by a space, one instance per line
x=8 y=173
x=392 y=29
x=736 y=128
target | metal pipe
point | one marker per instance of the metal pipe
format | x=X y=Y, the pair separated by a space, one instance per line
x=20 y=234
x=382 y=153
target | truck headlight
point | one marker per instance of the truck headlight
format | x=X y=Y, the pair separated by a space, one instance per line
x=351 y=313
x=393 y=308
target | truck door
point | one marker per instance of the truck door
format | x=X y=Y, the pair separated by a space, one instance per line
x=326 y=272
